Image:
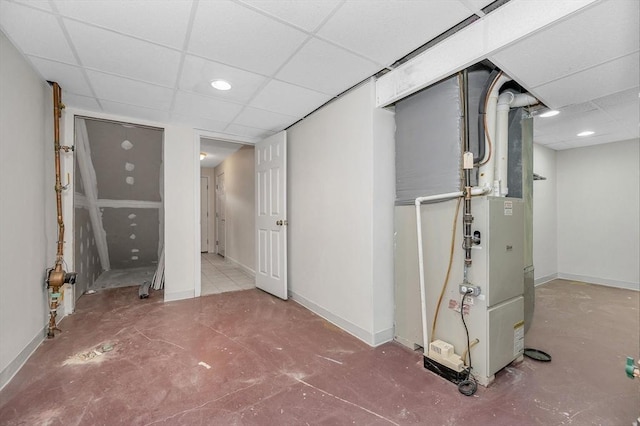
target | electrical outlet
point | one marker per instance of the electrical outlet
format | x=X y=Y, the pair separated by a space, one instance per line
x=471 y=290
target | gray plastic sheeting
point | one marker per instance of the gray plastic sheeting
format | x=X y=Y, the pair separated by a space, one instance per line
x=429 y=138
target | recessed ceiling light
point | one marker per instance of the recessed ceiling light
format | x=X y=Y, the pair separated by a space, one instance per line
x=203 y=155
x=221 y=84
x=549 y=113
x=585 y=133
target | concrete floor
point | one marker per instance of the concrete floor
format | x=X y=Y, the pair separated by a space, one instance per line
x=124 y=278
x=246 y=358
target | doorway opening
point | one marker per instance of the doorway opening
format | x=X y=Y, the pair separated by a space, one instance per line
x=227 y=216
x=118 y=203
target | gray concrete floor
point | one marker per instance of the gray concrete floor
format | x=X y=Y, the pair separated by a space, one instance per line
x=123 y=278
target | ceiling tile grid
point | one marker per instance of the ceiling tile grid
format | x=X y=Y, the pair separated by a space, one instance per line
x=154 y=60
x=35 y=32
x=192 y=104
x=315 y=63
x=166 y=21
x=383 y=29
x=263 y=119
x=288 y=99
x=114 y=53
x=307 y=15
x=198 y=73
x=68 y=76
x=127 y=91
x=230 y=33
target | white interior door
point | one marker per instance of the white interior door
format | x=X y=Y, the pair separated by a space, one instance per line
x=204 y=214
x=271 y=215
x=221 y=221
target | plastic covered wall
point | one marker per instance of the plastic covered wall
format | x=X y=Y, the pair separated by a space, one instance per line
x=429 y=137
x=428 y=143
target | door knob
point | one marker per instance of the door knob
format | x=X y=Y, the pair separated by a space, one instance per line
x=281 y=222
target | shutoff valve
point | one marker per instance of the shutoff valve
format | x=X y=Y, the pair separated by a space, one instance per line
x=631 y=369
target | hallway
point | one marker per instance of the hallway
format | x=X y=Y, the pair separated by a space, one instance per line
x=220 y=275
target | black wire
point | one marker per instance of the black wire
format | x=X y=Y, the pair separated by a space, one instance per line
x=468 y=386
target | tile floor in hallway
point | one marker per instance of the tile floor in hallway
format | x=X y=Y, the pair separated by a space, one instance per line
x=220 y=275
x=248 y=358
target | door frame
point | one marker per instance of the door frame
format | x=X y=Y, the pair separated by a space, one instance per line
x=206 y=221
x=198 y=134
x=220 y=207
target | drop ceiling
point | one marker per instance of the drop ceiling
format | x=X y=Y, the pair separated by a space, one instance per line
x=154 y=60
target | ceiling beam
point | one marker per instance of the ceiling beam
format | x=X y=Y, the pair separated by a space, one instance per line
x=472 y=44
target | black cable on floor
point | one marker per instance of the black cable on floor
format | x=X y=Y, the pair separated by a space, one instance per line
x=469 y=386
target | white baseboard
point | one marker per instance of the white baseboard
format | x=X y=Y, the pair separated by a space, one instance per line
x=600 y=281
x=178 y=295
x=245 y=268
x=371 y=339
x=545 y=279
x=14 y=366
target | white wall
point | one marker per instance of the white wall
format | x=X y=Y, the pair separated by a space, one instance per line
x=598 y=214
x=239 y=182
x=340 y=174
x=545 y=215
x=27 y=210
x=181 y=213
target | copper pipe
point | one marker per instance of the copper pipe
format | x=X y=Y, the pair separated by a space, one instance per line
x=57 y=114
x=57 y=276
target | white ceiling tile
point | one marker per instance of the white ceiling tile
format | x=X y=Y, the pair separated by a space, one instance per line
x=306 y=14
x=385 y=31
x=135 y=112
x=35 y=32
x=476 y=6
x=80 y=102
x=611 y=77
x=197 y=74
x=244 y=131
x=165 y=21
x=236 y=35
x=288 y=99
x=125 y=91
x=114 y=53
x=326 y=68
x=261 y=119
x=594 y=140
x=198 y=122
x=564 y=129
x=557 y=146
x=626 y=96
x=205 y=107
x=590 y=37
x=69 y=77
x=38 y=4
x=569 y=126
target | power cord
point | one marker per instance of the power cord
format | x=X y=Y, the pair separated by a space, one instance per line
x=469 y=386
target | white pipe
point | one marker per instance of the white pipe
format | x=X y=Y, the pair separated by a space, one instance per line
x=423 y=293
x=485 y=180
x=506 y=101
